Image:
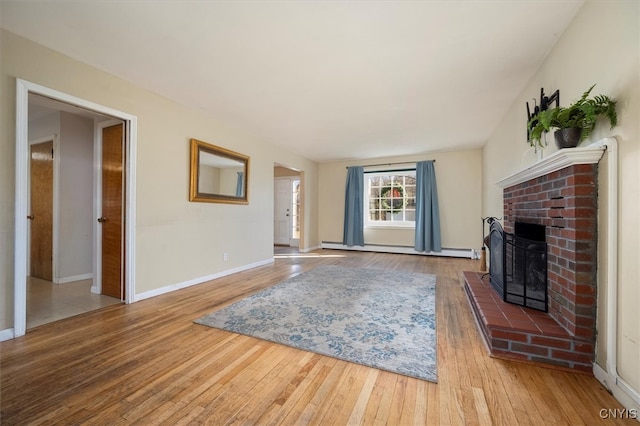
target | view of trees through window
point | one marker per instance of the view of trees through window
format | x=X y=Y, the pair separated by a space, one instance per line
x=391 y=198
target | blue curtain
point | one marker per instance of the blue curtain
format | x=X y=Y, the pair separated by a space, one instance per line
x=239 y=183
x=427 y=211
x=353 y=234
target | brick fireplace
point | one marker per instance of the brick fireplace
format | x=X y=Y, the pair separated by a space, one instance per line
x=559 y=193
x=565 y=202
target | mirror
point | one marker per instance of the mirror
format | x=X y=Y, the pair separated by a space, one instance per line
x=218 y=175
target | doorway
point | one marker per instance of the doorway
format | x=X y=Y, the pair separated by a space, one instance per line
x=288 y=207
x=60 y=218
x=22 y=256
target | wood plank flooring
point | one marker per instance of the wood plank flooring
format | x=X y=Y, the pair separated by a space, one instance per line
x=148 y=363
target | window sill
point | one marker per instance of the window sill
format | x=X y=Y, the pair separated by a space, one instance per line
x=389 y=227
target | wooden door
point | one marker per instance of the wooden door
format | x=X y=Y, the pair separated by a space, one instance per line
x=282 y=212
x=112 y=211
x=41 y=215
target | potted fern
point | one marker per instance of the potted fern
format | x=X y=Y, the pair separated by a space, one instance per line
x=574 y=123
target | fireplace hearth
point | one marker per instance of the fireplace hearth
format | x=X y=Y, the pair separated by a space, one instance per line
x=547 y=242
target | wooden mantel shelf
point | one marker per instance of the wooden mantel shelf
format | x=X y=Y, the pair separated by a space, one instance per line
x=558 y=160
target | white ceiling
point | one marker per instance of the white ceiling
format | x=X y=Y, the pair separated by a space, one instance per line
x=329 y=80
x=40 y=106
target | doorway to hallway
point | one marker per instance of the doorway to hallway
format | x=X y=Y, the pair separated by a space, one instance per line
x=288 y=207
x=24 y=93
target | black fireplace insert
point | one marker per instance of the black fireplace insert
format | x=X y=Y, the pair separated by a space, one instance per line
x=518 y=264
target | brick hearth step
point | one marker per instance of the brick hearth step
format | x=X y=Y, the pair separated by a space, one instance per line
x=519 y=333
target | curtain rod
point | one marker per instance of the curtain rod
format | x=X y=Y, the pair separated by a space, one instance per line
x=392 y=164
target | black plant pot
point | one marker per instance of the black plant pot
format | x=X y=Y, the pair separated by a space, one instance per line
x=567 y=138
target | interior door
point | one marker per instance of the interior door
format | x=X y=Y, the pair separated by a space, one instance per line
x=282 y=211
x=112 y=212
x=41 y=216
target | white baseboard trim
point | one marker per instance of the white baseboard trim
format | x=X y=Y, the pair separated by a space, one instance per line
x=6 y=334
x=308 y=249
x=467 y=253
x=74 y=278
x=173 y=287
x=627 y=396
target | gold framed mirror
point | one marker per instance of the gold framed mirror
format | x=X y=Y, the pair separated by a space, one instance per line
x=218 y=175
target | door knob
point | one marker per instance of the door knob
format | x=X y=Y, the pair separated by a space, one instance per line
x=102 y=219
x=30 y=217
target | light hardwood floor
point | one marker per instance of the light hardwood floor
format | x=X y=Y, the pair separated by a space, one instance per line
x=148 y=363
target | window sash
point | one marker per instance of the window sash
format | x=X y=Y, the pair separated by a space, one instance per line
x=387 y=206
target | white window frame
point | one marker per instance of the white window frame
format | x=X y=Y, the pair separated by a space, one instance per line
x=379 y=224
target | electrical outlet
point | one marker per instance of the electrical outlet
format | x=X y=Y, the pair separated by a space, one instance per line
x=225 y=257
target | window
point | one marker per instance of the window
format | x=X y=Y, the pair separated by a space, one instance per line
x=391 y=198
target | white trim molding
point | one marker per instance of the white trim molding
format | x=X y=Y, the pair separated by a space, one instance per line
x=609 y=377
x=558 y=160
x=23 y=88
x=74 y=278
x=200 y=280
x=6 y=334
x=626 y=395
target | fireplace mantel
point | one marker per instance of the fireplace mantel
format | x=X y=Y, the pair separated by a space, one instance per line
x=558 y=160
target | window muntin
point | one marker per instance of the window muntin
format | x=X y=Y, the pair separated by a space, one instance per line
x=390 y=198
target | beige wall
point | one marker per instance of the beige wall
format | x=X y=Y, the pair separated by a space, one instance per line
x=601 y=46
x=459 y=178
x=279 y=171
x=209 y=179
x=75 y=186
x=177 y=241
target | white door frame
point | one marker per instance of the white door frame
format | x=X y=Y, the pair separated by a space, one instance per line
x=23 y=88
x=288 y=180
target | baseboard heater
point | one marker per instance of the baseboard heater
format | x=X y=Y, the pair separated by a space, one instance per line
x=381 y=248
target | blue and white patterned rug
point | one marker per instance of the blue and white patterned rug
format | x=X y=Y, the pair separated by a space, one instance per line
x=379 y=318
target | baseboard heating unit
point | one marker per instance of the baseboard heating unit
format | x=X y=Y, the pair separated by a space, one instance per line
x=380 y=248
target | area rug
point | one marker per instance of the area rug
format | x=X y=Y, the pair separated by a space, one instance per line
x=379 y=318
